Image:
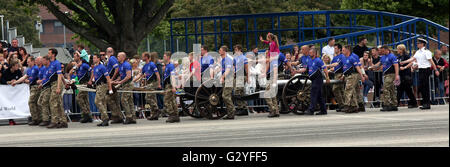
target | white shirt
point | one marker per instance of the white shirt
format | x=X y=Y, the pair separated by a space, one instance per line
x=423 y=57
x=329 y=50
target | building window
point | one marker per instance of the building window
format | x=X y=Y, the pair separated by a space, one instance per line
x=58 y=24
x=58 y=27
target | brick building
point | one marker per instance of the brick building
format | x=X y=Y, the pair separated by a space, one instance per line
x=52 y=30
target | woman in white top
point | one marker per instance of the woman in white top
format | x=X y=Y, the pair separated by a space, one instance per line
x=137 y=97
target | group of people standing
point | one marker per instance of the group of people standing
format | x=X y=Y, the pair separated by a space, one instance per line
x=108 y=72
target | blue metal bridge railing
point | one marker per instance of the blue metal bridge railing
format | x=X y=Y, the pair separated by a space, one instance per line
x=404 y=32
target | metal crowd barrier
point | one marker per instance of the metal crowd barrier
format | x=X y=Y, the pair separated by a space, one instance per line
x=260 y=104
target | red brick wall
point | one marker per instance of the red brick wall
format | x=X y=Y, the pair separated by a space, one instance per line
x=51 y=39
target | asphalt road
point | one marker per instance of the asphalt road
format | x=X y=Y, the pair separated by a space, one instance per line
x=407 y=127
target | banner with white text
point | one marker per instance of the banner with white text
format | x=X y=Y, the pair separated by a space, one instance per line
x=14 y=101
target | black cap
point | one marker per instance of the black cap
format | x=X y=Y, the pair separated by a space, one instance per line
x=421 y=40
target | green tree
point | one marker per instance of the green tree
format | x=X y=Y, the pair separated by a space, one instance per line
x=23 y=16
x=433 y=10
x=116 y=23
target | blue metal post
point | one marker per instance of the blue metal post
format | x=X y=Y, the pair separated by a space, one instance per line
x=201 y=29
x=303 y=26
x=231 y=36
x=246 y=34
x=171 y=36
x=392 y=32
x=376 y=21
x=398 y=34
x=355 y=40
x=221 y=33
x=439 y=38
x=328 y=25
x=382 y=32
x=279 y=32
x=415 y=39
x=215 y=34
x=256 y=33
x=403 y=29
x=351 y=30
x=314 y=32
x=186 y=35
x=409 y=41
x=196 y=34
x=426 y=27
x=298 y=27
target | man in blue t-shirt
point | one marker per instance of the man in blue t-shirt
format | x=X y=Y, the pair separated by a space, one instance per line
x=390 y=76
x=226 y=81
x=351 y=70
x=31 y=77
x=314 y=68
x=169 y=91
x=338 y=89
x=153 y=82
x=125 y=79
x=83 y=74
x=113 y=102
x=56 y=80
x=103 y=87
x=241 y=77
x=44 y=97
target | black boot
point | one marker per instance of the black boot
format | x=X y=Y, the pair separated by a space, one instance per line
x=412 y=106
x=384 y=108
x=425 y=107
x=361 y=107
x=339 y=108
x=173 y=119
x=86 y=118
x=308 y=112
x=242 y=112
x=104 y=123
x=116 y=120
x=155 y=116
x=394 y=108
x=322 y=113
x=129 y=121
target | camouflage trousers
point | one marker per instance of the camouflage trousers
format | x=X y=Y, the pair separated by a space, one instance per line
x=56 y=108
x=113 y=103
x=271 y=99
x=44 y=105
x=169 y=101
x=33 y=103
x=226 y=96
x=101 y=100
x=338 y=90
x=239 y=91
x=151 y=98
x=127 y=100
x=389 y=97
x=359 y=97
x=83 y=101
x=350 y=95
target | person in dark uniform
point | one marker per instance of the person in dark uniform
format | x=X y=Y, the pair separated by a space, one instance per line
x=315 y=67
x=405 y=78
x=377 y=77
x=424 y=61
